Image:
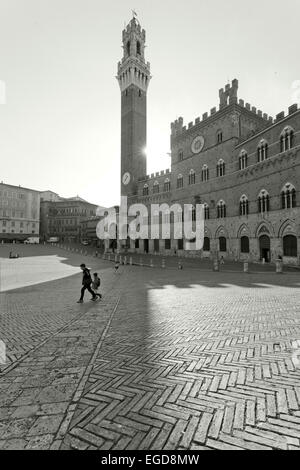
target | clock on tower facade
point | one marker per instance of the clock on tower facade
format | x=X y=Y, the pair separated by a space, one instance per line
x=133 y=77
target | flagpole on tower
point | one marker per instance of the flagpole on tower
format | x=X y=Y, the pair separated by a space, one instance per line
x=134 y=15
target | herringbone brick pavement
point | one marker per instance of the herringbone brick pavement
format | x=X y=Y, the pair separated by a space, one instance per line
x=30 y=315
x=194 y=361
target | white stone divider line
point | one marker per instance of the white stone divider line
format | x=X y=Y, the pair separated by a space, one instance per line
x=82 y=383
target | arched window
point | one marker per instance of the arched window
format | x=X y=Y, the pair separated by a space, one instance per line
x=245 y=244
x=288 y=196
x=243 y=160
x=290 y=246
x=145 y=190
x=205 y=173
x=206 y=211
x=222 y=244
x=138 y=48
x=192 y=177
x=179 y=181
x=128 y=47
x=286 y=139
x=180 y=155
x=262 y=150
x=244 y=205
x=192 y=213
x=206 y=244
x=167 y=185
x=263 y=201
x=156 y=187
x=221 y=210
x=219 y=136
x=221 y=168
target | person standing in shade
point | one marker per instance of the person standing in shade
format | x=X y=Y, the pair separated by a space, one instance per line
x=86 y=283
x=96 y=285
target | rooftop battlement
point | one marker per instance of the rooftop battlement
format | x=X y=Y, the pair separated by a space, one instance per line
x=272 y=122
x=155 y=175
x=228 y=97
x=256 y=111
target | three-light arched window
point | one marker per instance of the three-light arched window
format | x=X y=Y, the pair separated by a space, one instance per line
x=288 y=196
x=146 y=190
x=262 y=150
x=179 y=181
x=286 y=139
x=167 y=185
x=205 y=173
x=192 y=177
x=206 y=211
x=263 y=201
x=244 y=205
x=221 y=210
x=156 y=187
x=221 y=167
x=243 y=160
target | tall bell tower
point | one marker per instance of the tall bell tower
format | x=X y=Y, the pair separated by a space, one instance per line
x=133 y=77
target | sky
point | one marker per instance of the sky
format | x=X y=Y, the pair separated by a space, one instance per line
x=60 y=119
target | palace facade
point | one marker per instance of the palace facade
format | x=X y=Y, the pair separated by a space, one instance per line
x=19 y=213
x=242 y=164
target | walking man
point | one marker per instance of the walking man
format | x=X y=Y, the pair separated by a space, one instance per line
x=86 y=283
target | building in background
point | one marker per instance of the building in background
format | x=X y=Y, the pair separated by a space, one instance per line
x=19 y=213
x=50 y=196
x=243 y=165
x=62 y=218
x=89 y=230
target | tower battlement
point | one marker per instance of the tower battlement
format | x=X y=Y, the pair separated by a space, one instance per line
x=133 y=26
x=132 y=69
x=228 y=97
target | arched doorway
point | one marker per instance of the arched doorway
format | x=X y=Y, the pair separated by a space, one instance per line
x=265 y=248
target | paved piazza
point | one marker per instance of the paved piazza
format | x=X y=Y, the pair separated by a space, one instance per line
x=168 y=359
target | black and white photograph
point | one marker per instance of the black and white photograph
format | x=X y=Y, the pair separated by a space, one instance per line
x=149 y=228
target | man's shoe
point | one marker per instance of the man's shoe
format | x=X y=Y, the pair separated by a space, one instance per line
x=80 y=301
